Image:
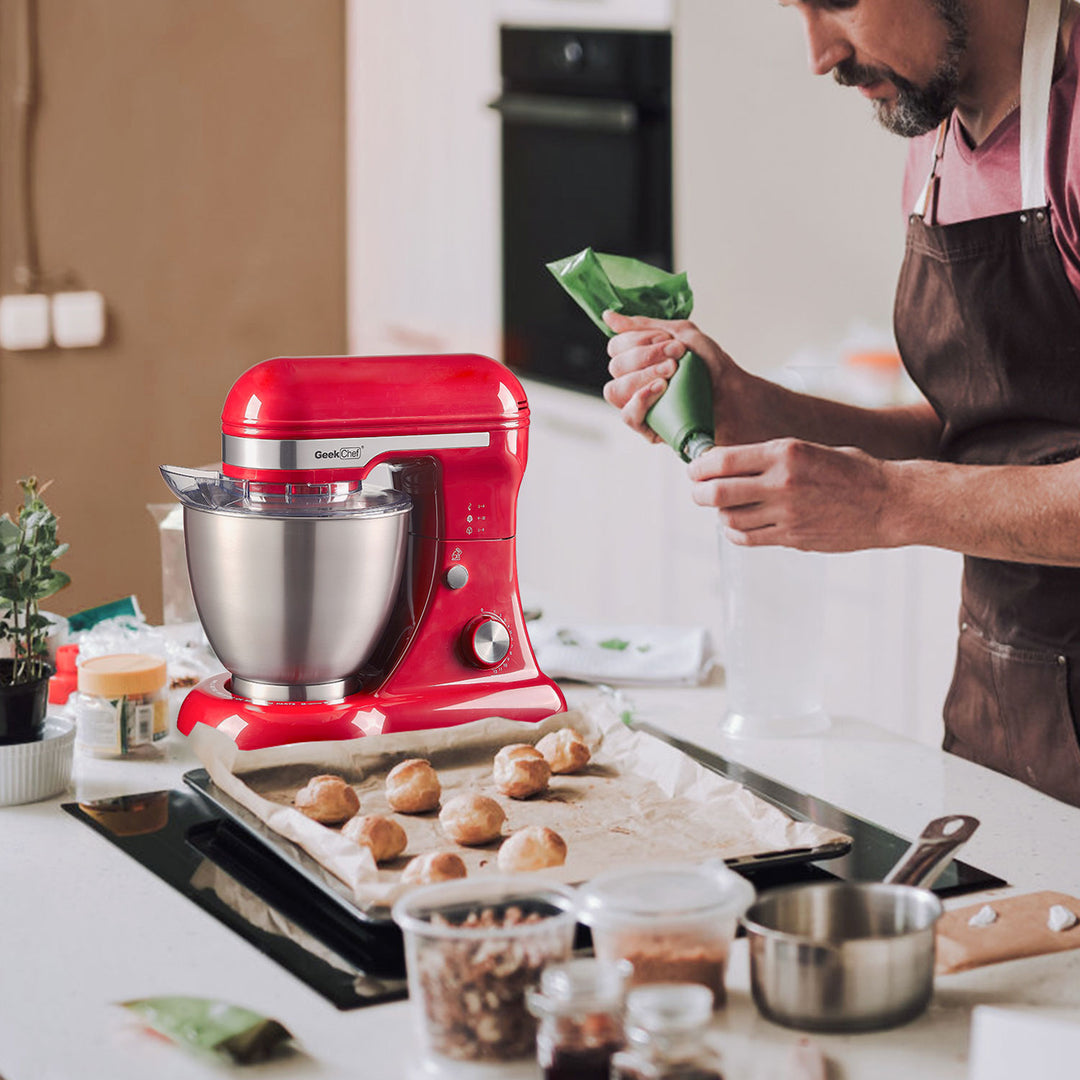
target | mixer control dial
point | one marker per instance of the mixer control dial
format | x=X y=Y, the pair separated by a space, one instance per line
x=487 y=641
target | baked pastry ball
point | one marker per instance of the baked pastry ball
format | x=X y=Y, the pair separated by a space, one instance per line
x=520 y=770
x=565 y=751
x=472 y=819
x=534 y=848
x=327 y=799
x=412 y=787
x=382 y=836
x=436 y=866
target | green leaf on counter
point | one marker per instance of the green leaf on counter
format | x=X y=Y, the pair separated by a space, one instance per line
x=616 y=644
x=224 y=1032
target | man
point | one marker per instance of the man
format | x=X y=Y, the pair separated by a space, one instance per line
x=988 y=325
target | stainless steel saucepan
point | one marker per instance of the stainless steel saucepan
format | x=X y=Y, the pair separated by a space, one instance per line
x=853 y=956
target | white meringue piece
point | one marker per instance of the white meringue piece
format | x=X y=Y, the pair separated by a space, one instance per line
x=983 y=917
x=1061 y=918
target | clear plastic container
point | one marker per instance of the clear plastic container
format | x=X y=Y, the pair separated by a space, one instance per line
x=473 y=950
x=674 y=922
x=666 y=1025
x=580 y=1006
x=774 y=640
x=121 y=707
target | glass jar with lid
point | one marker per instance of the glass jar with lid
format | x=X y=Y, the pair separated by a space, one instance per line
x=121 y=707
x=580 y=1006
x=666 y=1025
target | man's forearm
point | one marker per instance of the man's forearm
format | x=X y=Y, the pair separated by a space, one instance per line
x=1018 y=513
x=750 y=409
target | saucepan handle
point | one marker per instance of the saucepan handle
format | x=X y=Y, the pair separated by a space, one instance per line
x=932 y=851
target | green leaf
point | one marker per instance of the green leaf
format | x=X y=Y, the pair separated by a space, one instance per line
x=28 y=548
x=617 y=644
x=52 y=584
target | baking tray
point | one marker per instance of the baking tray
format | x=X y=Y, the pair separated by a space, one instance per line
x=317 y=875
x=874 y=849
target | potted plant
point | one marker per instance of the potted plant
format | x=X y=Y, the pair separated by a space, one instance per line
x=28 y=548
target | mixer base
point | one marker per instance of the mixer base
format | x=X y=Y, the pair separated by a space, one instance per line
x=254 y=726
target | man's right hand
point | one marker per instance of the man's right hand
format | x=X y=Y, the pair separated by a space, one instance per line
x=644 y=355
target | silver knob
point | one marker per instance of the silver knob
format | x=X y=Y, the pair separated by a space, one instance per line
x=457 y=577
x=487 y=641
x=573 y=53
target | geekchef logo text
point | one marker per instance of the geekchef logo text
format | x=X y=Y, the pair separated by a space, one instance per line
x=344 y=453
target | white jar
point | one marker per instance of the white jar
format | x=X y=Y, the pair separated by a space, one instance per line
x=121 y=707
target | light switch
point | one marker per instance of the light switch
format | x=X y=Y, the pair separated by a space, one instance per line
x=78 y=319
x=24 y=321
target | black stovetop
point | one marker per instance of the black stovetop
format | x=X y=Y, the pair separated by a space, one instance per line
x=354 y=961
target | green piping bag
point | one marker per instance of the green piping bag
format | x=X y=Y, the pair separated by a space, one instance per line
x=683 y=417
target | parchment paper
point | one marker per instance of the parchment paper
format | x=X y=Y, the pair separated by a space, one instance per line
x=638 y=800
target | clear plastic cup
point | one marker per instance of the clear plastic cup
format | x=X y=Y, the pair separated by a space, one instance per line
x=674 y=922
x=473 y=950
x=774 y=640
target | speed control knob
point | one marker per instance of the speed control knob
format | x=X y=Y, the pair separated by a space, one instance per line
x=486 y=641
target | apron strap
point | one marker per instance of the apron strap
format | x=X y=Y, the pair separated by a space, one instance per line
x=932 y=178
x=1036 y=76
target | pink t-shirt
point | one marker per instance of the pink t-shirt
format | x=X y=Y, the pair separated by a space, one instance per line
x=986 y=181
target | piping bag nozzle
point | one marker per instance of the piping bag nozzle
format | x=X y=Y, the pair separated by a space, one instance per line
x=683 y=416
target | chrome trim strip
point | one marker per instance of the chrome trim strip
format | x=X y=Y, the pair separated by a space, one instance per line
x=244 y=453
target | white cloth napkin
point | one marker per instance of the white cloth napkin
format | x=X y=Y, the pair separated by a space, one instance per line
x=623 y=655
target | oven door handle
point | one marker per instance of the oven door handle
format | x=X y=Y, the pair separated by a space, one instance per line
x=549 y=110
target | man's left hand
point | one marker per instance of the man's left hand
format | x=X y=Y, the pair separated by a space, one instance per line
x=796 y=494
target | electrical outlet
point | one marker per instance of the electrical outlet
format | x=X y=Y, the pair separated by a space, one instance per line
x=78 y=319
x=24 y=321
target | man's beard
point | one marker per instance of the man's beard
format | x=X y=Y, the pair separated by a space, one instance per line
x=917 y=109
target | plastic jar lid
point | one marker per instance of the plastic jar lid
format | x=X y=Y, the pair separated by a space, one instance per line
x=580 y=986
x=121 y=674
x=671 y=891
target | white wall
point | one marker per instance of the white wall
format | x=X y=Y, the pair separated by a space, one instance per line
x=789 y=222
x=788 y=214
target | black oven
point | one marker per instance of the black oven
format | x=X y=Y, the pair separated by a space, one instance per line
x=586 y=162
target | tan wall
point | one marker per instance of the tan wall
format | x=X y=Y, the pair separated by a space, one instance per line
x=190 y=166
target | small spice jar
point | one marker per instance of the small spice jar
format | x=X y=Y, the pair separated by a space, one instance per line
x=666 y=1025
x=580 y=1006
x=121 y=707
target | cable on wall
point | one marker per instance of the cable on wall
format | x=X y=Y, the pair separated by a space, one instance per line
x=28 y=268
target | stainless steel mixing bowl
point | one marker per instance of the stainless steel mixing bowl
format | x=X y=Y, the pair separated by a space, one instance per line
x=294 y=597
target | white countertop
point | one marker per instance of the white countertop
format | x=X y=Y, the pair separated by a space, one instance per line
x=82 y=925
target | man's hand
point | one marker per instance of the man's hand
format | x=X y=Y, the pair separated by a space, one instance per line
x=798 y=494
x=644 y=355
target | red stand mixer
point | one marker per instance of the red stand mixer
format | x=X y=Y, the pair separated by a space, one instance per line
x=340 y=610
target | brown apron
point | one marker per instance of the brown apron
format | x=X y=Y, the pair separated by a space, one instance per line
x=989 y=328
